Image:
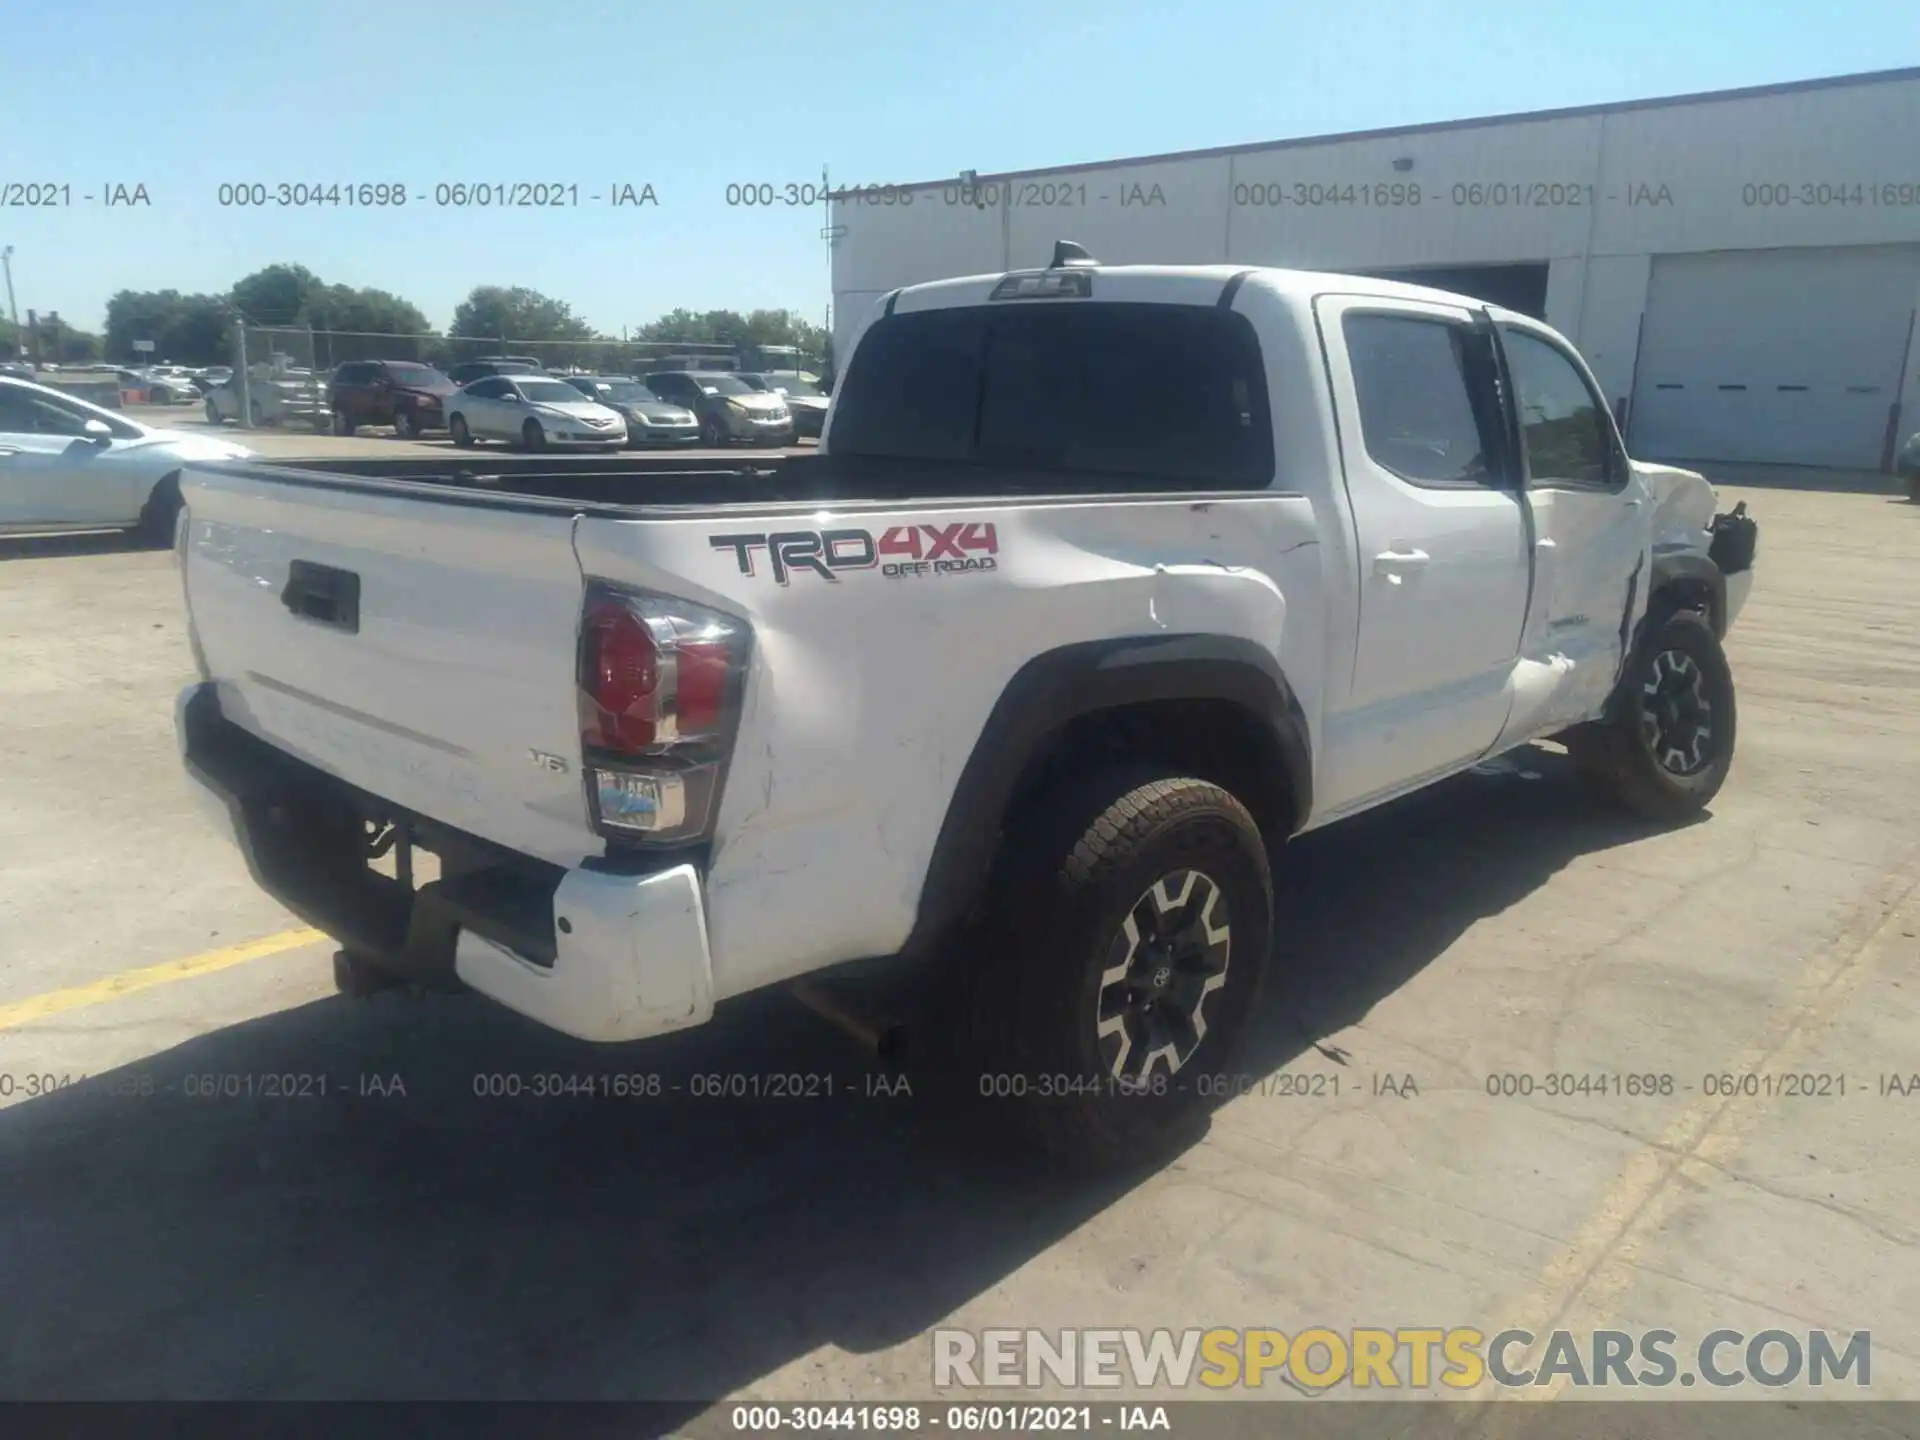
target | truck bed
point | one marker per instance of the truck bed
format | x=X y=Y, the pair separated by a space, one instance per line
x=623 y=482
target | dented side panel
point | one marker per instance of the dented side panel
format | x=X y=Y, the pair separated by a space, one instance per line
x=874 y=672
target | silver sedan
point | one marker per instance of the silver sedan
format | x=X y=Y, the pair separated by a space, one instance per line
x=532 y=411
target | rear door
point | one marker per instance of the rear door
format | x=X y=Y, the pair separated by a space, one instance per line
x=353 y=390
x=420 y=650
x=485 y=406
x=1441 y=536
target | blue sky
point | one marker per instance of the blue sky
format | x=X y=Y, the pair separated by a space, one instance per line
x=187 y=95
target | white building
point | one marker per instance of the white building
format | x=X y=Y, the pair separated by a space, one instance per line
x=1742 y=269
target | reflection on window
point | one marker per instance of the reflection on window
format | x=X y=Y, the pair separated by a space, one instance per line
x=1566 y=438
x=1416 y=412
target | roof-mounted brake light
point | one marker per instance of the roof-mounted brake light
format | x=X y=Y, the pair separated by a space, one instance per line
x=1071 y=273
x=1044 y=285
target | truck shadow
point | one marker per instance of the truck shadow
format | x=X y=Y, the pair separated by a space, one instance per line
x=69 y=544
x=1365 y=905
x=449 y=1243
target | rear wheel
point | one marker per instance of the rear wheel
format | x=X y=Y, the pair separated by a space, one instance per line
x=213 y=414
x=458 y=432
x=256 y=416
x=1126 y=934
x=341 y=424
x=1666 y=753
x=532 y=437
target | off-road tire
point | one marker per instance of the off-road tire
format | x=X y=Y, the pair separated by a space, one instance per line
x=1616 y=758
x=1025 y=1056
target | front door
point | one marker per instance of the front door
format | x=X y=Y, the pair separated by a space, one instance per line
x=1590 y=526
x=51 y=472
x=1441 y=530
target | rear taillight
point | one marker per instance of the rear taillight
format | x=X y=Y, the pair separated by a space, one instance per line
x=660 y=686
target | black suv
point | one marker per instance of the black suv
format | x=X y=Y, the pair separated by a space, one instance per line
x=402 y=393
x=468 y=371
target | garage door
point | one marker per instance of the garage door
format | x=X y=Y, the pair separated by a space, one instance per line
x=1792 y=356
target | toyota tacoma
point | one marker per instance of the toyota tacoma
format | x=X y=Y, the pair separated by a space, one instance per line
x=1106 y=581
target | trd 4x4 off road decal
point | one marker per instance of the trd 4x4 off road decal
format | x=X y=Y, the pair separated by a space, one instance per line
x=902 y=552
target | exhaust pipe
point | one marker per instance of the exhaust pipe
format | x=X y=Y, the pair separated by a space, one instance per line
x=884 y=1039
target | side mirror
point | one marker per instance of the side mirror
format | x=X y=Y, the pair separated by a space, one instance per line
x=98 y=431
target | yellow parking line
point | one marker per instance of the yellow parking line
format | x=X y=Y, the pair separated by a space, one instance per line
x=128 y=982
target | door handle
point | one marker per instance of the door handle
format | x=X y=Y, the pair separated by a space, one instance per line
x=323 y=594
x=1394 y=564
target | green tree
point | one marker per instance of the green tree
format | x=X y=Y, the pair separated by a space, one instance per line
x=523 y=317
x=361 y=323
x=277 y=295
x=184 y=329
x=199 y=333
x=78 y=347
x=730 y=327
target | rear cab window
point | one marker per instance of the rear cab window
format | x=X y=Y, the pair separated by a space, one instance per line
x=1095 y=391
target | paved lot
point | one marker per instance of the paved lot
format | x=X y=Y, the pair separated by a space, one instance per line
x=435 y=1244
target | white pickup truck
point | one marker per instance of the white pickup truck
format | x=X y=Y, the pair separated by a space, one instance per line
x=1105 y=583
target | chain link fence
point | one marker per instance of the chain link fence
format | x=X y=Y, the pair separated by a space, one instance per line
x=281 y=372
x=277 y=380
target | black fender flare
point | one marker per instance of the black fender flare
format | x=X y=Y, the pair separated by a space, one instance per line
x=1059 y=686
x=1689 y=570
x=1674 y=573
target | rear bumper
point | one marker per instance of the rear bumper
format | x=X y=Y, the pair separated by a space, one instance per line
x=597 y=954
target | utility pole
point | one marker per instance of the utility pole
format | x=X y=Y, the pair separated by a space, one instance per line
x=13 y=310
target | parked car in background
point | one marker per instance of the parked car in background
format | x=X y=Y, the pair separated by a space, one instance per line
x=1907 y=465
x=209 y=376
x=805 y=399
x=170 y=384
x=650 y=420
x=409 y=396
x=276 y=395
x=532 y=411
x=468 y=371
x=729 y=408
x=68 y=465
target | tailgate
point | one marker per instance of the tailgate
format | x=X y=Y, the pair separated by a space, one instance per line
x=422 y=649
